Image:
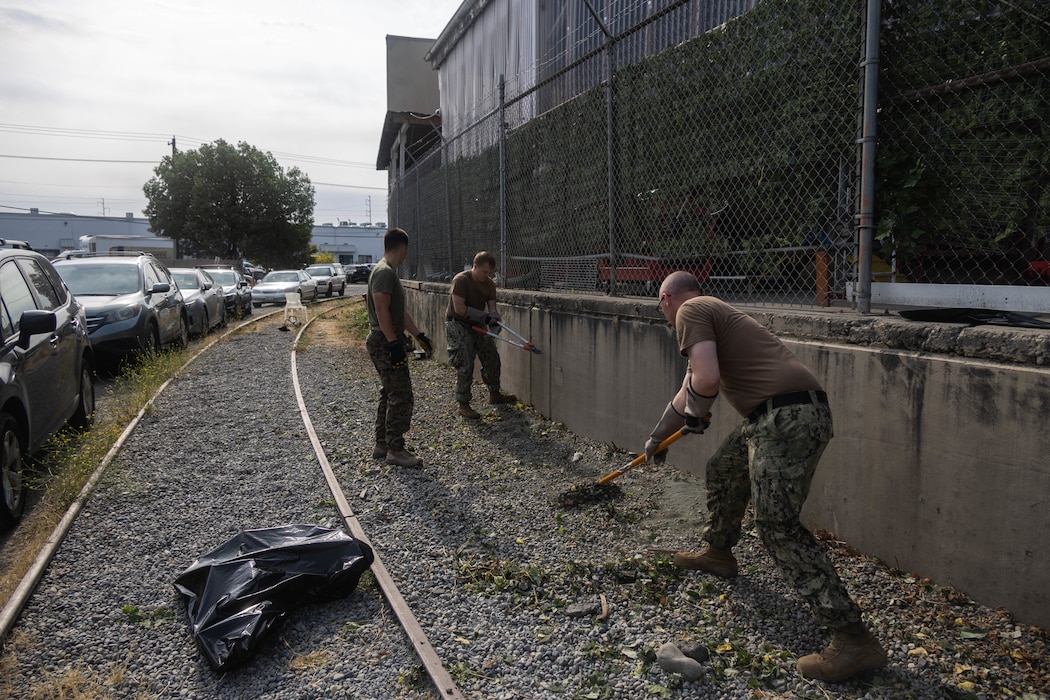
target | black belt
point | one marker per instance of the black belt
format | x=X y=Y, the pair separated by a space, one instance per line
x=790 y=399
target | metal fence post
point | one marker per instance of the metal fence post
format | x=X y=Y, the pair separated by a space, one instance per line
x=866 y=213
x=610 y=155
x=502 y=179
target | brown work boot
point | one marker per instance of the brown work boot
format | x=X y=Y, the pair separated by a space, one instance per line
x=466 y=411
x=719 y=562
x=499 y=397
x=379 y=451
x=402 y=458
x=848 y=655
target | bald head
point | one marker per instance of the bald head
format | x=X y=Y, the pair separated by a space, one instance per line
x=681 y=283
x=677 y=288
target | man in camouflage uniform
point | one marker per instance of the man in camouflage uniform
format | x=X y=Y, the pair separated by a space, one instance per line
x=387 y=346
x=769 y=461
x=472 y=304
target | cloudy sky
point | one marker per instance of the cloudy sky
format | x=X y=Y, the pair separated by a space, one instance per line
x=90 y=81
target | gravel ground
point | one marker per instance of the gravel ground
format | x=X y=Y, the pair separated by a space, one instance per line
x=522 y=594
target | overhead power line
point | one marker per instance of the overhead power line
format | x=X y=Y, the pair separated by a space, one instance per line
x=79 y=160
x=145 y=136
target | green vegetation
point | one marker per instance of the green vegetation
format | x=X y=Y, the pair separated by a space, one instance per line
x=231 y=203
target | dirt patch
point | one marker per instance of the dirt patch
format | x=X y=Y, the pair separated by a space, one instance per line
x=583 y=495
x=336 y=324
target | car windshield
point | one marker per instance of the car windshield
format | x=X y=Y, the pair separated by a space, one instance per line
x=186 y=280
x=226 y=277
x=100 y=280
x=318 y=271
x=281 y=277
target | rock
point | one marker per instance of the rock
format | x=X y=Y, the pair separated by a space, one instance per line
x=695 y=650
x=672 y=660
x=585 y=609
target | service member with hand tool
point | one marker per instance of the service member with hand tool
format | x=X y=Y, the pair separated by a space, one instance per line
x=769 y=460
x=472 y=303
x=387 y=346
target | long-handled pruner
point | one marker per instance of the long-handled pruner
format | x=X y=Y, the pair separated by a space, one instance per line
x=640 y=459
x=524 y=344
x=528 y=344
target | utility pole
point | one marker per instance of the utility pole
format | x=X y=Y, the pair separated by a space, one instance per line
x=172 y=144
x=102 y=203
x=368 y=208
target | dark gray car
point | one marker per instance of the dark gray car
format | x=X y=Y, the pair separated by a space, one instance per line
x=46 y=368
x=133 y=305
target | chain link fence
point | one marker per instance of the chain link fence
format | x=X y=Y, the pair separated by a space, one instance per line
x=726 y=144
x=963 y=160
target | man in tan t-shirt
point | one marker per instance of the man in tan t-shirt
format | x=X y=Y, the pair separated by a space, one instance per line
x=769 y=461
x=469 y=318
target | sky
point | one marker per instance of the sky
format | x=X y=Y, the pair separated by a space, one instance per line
x=87 y=84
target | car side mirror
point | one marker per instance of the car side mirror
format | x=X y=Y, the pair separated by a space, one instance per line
x=160 y=288
x=206 y=286
x=34 y=322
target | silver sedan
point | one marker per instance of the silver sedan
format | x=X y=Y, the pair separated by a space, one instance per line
x=276 y=284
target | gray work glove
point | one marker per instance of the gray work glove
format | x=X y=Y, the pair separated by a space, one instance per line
x=670 y=422
x=696 y=425
x=494 y=323
x=696 y=404
x=477 y=316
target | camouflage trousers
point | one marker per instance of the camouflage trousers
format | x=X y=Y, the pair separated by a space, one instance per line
x=394 y=413
x=463 y=346
x=770 y=463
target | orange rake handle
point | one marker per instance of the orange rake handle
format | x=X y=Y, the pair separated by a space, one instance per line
x=641 y=458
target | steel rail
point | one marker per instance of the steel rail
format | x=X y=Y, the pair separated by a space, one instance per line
x=443 y=682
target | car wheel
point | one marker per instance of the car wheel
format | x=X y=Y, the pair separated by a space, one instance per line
x=84 y=416
x=151 y=342
x=222 y=318
x=12 y=488
x=342 y=290
x=256 y=304
x=183 y=341
x=205 y=324
x=247 y=309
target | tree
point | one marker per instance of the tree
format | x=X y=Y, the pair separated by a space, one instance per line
x=232 y=203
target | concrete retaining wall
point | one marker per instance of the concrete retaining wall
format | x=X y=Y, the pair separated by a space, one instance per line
x=939 y=464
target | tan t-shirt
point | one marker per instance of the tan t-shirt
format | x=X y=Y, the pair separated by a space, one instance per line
x=753 y=363
x=477 y=294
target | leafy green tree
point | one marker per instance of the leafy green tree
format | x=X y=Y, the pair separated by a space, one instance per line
x=226 y=202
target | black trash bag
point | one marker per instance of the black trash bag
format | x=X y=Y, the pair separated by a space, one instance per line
x=241 y=592
x=974 y=317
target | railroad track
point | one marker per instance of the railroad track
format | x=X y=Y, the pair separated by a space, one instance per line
x=431 y=662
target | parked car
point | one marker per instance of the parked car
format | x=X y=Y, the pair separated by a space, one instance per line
x=339 y=269
x=272 y=288
x=253 y=273
x=205 y=303
x=133 y=305
x=236 y=290
x=329 y=279
x=360 y=273
x=46 y=368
